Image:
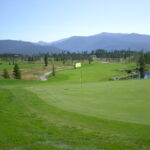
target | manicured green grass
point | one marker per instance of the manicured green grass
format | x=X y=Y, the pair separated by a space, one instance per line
x=91 y=73
x=122 y=100
x=61 y=115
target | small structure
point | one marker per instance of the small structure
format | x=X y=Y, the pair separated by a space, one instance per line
x=93 y=57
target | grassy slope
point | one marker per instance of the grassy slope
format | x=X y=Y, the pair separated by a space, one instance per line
x=103 y=115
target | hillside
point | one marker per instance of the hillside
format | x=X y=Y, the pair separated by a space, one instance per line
x=107 y=41
x=21 y=47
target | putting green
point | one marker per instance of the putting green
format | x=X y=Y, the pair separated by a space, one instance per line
x=122 y=100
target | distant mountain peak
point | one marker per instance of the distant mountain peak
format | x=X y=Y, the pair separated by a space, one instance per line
x=105 y=33
x=105 y=40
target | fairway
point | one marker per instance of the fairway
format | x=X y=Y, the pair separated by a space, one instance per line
x=60 y=114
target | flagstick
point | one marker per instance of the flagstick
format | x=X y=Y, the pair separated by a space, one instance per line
x=81 y=76
x=78 y=65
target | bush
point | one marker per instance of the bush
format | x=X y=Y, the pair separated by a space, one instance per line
x=5 y=74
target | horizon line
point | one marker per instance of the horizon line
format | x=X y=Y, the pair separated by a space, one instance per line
x=73 y=36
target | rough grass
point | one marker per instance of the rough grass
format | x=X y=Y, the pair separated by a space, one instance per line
x=30 y=71
x=102 y=115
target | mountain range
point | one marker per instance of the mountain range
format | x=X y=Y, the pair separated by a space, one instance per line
x=107 y=41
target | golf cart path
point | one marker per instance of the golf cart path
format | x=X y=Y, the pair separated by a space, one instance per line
x=43 y=77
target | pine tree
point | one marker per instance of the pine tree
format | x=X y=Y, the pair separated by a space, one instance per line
x=5 y=74
x=16 y=72
x=53 y=70
x=142 y=61
x=142 y=65
x=46 y=60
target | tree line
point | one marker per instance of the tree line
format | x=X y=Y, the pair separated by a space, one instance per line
x=73 y=56
x=139 y=57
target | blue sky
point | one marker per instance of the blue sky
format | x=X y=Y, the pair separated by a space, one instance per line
x=50 y=20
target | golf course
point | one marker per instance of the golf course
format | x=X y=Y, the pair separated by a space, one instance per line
x=77 y=109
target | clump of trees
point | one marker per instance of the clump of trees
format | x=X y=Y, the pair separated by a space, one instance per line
x=143 y=61
x=101 y=53
x=16 y=73
x=147 y=58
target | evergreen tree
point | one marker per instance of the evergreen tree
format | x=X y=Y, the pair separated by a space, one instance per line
x=46 y=60
x=53 y=69
x=16 y=72
x=5 y=74
x=142 y=65
x=142 y=61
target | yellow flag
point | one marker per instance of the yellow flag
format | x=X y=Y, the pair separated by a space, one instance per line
x=78 y=65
